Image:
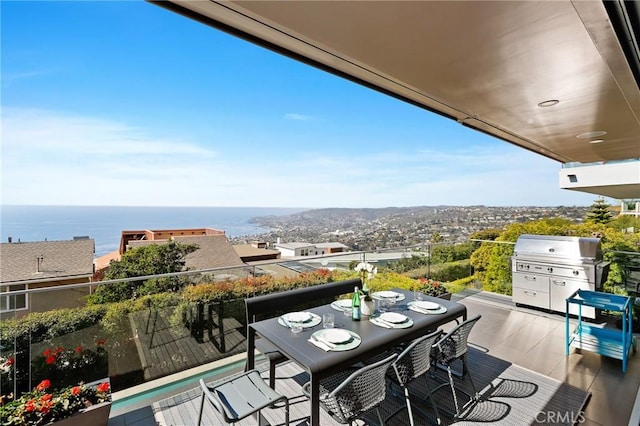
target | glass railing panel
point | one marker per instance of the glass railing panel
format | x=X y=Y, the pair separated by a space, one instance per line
x=61 y=338
x=198 y=316
x=195 y=318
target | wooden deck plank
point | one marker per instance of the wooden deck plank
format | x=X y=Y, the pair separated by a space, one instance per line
x=511 y=395
x=166 y=349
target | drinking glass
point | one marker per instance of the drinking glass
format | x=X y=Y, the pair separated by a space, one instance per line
x=383 y=305
x=296 y=327
x=328 y=320
x=391 y=303
x=418 y=295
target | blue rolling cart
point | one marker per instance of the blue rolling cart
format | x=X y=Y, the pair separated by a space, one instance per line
x=604 y=341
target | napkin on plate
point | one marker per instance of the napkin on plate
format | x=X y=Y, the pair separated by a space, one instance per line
x=381 y=323
x=422 y=311
x=325 y=346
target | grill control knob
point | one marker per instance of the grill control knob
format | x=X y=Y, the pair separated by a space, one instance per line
x=550 y=269
x=576 y=272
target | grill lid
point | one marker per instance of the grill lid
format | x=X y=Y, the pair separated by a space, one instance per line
x=558 y=248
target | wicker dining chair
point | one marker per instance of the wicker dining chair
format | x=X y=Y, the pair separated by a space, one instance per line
x=241 y=396
x=453 y=347
x=350 y=394
x=412 y=363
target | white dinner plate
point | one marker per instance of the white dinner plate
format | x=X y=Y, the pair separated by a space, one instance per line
x=343 y=303
x=387 y=294
x=423 y=304
x=393 y=317
x=335 y=335
x=297 y=316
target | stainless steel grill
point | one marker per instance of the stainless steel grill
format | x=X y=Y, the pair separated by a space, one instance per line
x=546 y=269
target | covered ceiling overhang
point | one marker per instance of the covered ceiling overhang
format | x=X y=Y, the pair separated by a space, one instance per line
x=620 y=180
x=552 y=77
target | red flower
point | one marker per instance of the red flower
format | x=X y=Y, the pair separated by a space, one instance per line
x=75 y=390
x=103 y=387
x=47 y=352
x=50 y=359
x=59 y=349
x=30 y=405
x=79 y=349
x=45 y=397
x=43 y=385
x=10 y=362
x=46 y=406
x=100 y=342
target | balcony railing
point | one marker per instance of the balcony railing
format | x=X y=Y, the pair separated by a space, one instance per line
x=148 y=337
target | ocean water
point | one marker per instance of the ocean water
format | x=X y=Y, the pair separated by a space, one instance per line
x=105 y=224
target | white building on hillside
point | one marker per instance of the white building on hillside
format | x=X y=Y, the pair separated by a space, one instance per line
x=299 y=249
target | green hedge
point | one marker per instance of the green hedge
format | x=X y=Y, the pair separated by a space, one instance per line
x=41 y=326
x=444 y=272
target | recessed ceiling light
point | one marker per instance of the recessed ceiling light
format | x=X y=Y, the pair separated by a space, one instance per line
x=549 y=103
x=597 y=141
x=590 y=135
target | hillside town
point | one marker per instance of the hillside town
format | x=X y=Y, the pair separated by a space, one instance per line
x=308 y=234
x=370 y=229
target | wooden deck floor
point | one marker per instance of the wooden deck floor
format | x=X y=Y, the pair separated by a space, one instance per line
x=510 y=395
x=165 y=349
x=524 y=337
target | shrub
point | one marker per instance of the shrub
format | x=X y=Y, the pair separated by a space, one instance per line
x=41 y=406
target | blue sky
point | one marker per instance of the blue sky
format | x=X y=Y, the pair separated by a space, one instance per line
x=125 y=103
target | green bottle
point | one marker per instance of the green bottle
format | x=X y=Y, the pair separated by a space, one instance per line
x=355 y=305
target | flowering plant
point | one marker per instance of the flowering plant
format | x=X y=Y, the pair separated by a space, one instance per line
x=61 y=366
x=72 y=365
x=40 y=406
x=431 y=287
x=367 y=272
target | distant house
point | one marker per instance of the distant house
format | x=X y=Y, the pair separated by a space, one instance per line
x=163 y=235
x=333 y=247
x=298 y=249
x=256 y=251
x=214 y=251
x=307 y=249
x=30 y=265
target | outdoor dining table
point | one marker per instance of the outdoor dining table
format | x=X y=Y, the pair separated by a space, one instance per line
x=375 y=340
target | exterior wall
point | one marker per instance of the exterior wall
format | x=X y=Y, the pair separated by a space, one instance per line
x=620 y=180
x=287 y=252
x=163 y=234
x=59 y=299
x=630 y=207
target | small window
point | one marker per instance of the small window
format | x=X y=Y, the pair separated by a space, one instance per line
x=10 y=302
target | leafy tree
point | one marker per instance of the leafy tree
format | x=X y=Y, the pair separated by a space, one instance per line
x=405 y=264
x=599 y=212
x=486 y=234
x=625 y=222
x=436 y=238
x=450 y=252
x=153 y=259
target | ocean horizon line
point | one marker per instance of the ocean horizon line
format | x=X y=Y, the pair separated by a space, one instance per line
x=287 y=207
x=160 y=206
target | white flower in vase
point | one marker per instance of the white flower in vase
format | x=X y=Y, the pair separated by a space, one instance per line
x=367 y=272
